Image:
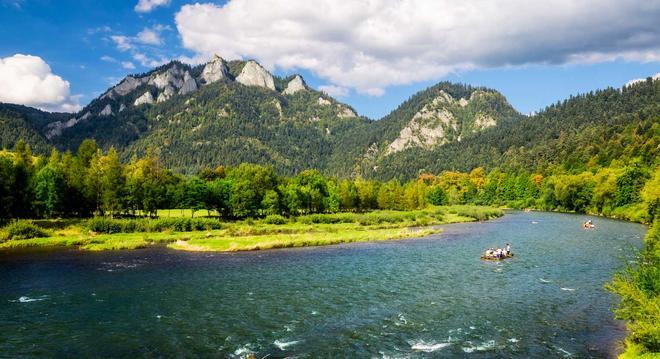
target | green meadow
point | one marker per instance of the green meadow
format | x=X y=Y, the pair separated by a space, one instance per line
x=211 y=234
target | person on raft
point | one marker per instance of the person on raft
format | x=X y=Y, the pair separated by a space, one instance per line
x=499 y=253
x=589 y=224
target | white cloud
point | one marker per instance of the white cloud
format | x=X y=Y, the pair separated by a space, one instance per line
x=107 y=58
x=634 y=81
x=372 y=44
x=28 y=80
x=149 y=37
x=149 y=5
x=147 y=61
x=334 y=91
x=123 y=42
x=127 y=65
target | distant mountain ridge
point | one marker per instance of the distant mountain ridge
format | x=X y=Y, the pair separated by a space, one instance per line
x=229 y=112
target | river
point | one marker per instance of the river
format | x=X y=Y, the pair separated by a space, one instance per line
x=429 y=297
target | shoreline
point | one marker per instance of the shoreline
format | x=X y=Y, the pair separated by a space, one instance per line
x=258 y=235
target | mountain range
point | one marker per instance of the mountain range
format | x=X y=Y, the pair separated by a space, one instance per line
x=229 y=112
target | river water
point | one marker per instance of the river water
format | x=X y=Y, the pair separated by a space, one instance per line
x=429 y=297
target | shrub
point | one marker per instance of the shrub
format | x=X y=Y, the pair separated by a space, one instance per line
x=639 y=289
x=22 y=229
x=275 y=219
x=328 y=218
x=436 y=196
x=108 y=225
x=479 y=214
x=104 y=225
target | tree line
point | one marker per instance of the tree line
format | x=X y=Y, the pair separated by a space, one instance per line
x=93 y=182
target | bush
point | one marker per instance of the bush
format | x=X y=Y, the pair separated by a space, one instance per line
x=374 y=218
x=108 y=225
x=328 y=218
x=104 y=225
x=275 y=219
x=479 y=214
x=639 y=289
x=436 y=196
x=22 y=229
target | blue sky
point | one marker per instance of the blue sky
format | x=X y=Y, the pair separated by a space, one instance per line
x=78 y=40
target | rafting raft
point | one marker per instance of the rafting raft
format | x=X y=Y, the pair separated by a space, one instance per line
x=494 y=258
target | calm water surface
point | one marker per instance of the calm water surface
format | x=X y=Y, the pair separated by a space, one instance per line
x=428 y=297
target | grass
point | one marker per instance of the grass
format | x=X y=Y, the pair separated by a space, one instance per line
x=307 y=239
x=311 y=230
x=639 y=289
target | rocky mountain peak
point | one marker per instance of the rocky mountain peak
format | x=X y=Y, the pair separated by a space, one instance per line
x=254 y=74
x=127 y=85
x=145 y=98
x=189 y=84
x=295 y=85
x=215 y=70
x=172 y=76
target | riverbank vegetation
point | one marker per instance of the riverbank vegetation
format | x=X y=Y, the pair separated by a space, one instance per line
x=619 y=180
x=639 y=289
x=94 y=182
x=273 y=231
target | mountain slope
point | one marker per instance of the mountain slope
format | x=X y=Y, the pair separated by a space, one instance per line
x=226 y=113
x=217 y=113
x=442 y=114
x=21 y=122
x=599 y=127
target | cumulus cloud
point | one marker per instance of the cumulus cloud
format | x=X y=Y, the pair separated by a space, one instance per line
x=107 y=58
x=148 y=61
x=634 y=81
x=149 y=37
x=372 y=44
x=28 y=80
x=149 y=5
x=123 y=43
x=142 y=47
x=334 y=91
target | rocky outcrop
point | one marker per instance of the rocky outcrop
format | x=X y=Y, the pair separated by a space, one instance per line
x=295 y=85
x=55 y=129
x=107 y=111
x=129 y=84
x=255 y=75
x=323 y=101
x=214 y=71
x=345 y=112
x=189 y=84
x=122 y=107
x=172 y=76
x=145 y=98
x=482 y=122
x=428 y=128
x=166 y=94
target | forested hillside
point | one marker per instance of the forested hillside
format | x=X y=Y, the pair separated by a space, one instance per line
x=228 y=113
x=582 y=132
x=21 y=122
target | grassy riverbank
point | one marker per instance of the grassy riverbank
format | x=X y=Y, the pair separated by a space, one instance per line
x=639 y=289
x=271 y=232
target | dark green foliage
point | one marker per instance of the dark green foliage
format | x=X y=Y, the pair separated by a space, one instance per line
x=639 y=289
x=104 y=225
x=436 y=196
x=108 y=225
x=22 y=229
x=25 y=123
x=628 y=186
x=275 y=219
